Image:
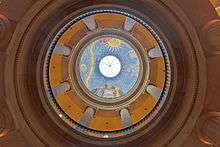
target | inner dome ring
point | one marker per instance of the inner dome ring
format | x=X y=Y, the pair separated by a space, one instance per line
x=117 y=102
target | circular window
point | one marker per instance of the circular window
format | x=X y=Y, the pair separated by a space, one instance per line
x=110 y=66
x=107 y=73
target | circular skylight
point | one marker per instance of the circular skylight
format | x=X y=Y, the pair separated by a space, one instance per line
x=110 y=66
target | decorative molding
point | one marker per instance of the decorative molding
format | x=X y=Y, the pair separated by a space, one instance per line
x=6 y=122
x=208 y=128
x=5 y=30
x=210 y=36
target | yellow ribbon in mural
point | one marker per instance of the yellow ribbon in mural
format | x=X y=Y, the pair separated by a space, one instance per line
x=92 y=64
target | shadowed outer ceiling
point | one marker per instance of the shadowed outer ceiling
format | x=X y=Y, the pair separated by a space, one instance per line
x=15 y=131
